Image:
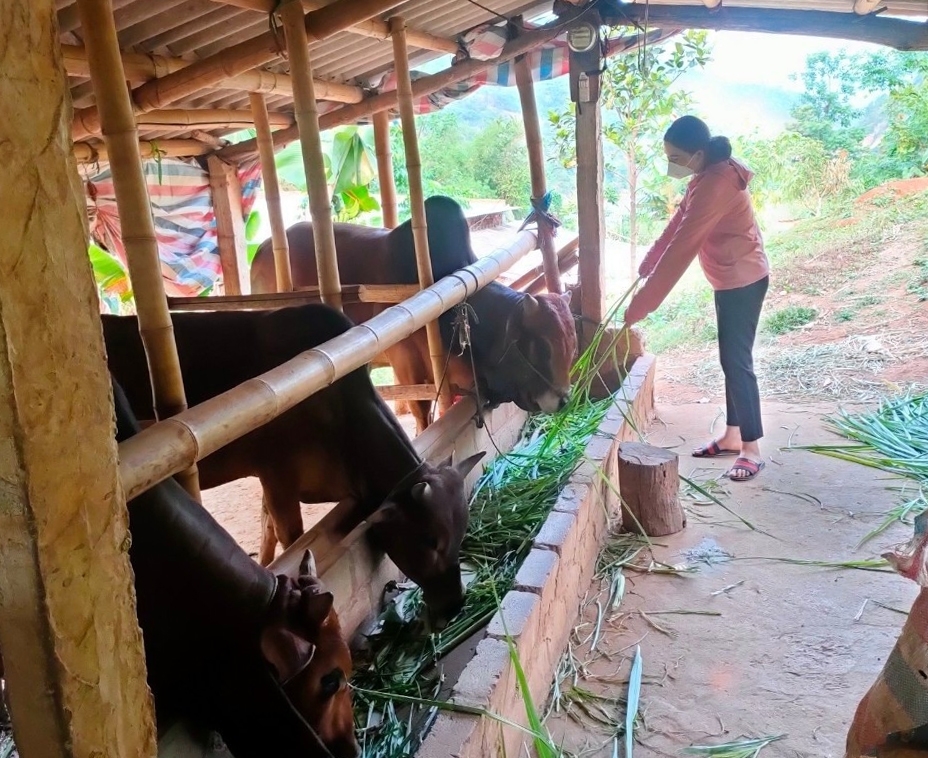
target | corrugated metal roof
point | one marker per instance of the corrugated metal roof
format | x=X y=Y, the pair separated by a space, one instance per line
x=197 y=29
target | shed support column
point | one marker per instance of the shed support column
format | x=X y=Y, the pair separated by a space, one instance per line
x=536 y=164
x=226 y=192
x=275 y=214
x=385 y=178
x=307 y=120
x=590 y=219
x=417 y=200
x=71 y=644
x=120 y=135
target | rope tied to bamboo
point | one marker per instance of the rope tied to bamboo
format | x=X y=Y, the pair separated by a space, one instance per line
x=540 y=213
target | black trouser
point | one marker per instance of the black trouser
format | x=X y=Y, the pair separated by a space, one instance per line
x=738 y=312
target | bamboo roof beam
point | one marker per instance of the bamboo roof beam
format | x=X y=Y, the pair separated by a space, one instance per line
x=881 y=30
x=142 y=68
x=371 y=28
x=240 y=58
x=85 y=152
x=207 y=118
x=350 y=114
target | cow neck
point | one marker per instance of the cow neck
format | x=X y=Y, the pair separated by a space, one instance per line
x=384 y=458
x=493 y=306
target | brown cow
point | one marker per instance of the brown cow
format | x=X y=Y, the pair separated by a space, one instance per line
x=342 y=443
x=522 y=347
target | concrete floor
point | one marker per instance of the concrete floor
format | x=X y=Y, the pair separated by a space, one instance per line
x=786 y=655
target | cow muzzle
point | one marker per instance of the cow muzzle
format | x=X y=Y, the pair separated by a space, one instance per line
x=552 y=401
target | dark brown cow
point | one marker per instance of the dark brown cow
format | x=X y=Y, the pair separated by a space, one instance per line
x=522 y=346
x=229 y=646
x=342 y=443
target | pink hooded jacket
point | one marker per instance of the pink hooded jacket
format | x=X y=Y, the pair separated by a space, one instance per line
x=715 y=221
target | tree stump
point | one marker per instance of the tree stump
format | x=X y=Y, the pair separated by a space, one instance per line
x=649 y=484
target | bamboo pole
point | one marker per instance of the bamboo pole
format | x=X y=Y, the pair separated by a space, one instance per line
x=536 y=164
x=138 y=228
x=385 y=169
x=96 y=152
x=74 y=666
x=169 y=446
x=307 y=119
x=420 y=231
x=275 y=214
x=141 y=68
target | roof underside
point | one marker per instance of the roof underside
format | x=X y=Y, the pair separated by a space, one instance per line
x=193 y=30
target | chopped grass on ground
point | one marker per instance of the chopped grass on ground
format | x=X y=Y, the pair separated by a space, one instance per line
x=892 y=438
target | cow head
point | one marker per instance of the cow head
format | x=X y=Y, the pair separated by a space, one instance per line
x=532 y=362
x=422 y=527
x=303 y=643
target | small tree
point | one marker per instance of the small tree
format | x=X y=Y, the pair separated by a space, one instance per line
x=825 y=111
x=640 y=97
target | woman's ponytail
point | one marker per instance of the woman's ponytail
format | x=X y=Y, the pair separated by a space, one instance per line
x=692 y=135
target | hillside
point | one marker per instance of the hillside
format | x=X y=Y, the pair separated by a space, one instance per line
x=846 y=318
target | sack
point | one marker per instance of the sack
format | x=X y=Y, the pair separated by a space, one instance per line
x=892 y=718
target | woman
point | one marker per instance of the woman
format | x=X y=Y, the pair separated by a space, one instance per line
x=715 y=221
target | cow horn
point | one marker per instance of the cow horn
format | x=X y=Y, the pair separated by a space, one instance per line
x=467 y=465
x=308 y=564
x=566 y=295
x=422 y=492
x=530 y=306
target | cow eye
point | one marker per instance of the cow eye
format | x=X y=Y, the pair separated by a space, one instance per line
x=430 y=541
x=331 y=683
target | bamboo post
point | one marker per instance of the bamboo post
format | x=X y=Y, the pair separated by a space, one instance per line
x=417 y=201
x=72 y=650
x=226 y=192
x=138 y=228
x=536 y=164
x=275 y=214
x=166 y=447
x=385 y=169
x=307 y=119
x=590 y=217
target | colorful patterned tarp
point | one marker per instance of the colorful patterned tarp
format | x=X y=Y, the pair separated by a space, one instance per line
x=185 y=224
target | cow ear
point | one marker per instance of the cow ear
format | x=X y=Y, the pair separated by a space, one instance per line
x=287 y=653
x=467 y=465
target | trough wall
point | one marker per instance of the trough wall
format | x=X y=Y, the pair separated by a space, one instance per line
x=542 y=608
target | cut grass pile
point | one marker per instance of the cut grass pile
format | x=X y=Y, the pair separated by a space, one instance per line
x=892 y=438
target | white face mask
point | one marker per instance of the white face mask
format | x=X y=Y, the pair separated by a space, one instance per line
x=678 y=170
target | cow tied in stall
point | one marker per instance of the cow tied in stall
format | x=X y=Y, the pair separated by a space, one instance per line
x=230 y=647
x=340 y=444
x=521 y=347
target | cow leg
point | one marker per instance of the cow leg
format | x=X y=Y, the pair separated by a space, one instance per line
x=410 y=368
x=282 y=505
x=268 y=536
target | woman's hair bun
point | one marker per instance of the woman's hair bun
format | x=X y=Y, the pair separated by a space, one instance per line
x=719 y=149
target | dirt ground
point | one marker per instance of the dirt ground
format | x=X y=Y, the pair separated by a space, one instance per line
x=784 y=651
